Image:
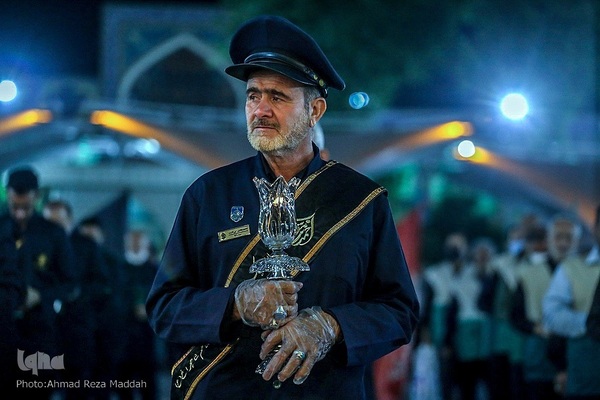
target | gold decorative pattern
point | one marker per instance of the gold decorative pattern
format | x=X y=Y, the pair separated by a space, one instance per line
x=343 y=222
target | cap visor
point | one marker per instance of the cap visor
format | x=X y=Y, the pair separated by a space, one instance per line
x=242 y=71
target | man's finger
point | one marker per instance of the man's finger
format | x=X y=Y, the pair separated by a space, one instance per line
x=290 y=367
x=290 y=298
x=270 y=342
x=290 y=287
x=305 y=369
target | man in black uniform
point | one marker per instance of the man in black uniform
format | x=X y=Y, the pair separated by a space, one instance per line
x=139 y=362
x=49 y=280
x=12 y=295
x=357 y=302
x=110 y=312
x=77 y=320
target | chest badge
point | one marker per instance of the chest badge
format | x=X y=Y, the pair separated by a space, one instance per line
x=237 y=213
x=234 y=233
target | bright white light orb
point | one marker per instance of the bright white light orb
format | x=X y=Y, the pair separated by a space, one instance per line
x=466 y=149
x=8 y=91
x=514 y=106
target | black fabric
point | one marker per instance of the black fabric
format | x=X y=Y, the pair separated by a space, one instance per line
x=557 y=351
x=12 y=294
x=593 y=319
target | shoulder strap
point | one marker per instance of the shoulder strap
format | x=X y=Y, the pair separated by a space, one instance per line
x=325 y=201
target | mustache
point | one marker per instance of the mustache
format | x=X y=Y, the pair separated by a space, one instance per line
x=263 y=123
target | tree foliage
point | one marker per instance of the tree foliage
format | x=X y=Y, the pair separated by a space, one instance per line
x=424 y=53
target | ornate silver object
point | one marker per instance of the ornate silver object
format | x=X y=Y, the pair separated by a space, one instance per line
x=277 y=227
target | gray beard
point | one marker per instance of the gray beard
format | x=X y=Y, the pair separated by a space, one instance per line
x=281 y=144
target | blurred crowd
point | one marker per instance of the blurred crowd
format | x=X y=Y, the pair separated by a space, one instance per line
x=517 y=322
x=75 y=326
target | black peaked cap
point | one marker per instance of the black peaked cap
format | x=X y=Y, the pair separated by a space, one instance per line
x=274 y=43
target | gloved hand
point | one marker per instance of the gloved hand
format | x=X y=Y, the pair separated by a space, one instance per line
x=257 y=300
x=304 y=341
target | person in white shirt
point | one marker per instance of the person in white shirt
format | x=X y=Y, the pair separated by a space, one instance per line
x=566 y=306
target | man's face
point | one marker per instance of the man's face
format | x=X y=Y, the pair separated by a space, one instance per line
x=561 y=241
x=276 y=115
x=455 y=247
x=136 y=241
x=537 y=246
x=482 y=256
x=21 y=206
x=58 y=215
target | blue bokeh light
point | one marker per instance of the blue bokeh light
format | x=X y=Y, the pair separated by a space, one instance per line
x=514 y=106
x=8 y=91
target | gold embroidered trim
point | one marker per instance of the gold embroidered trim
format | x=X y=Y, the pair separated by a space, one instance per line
x=341 y=223
x=205 y=371
x=312 y=177
x=180 y=360
x=241 y=258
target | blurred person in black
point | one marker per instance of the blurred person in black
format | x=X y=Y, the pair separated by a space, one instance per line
x=139 y=363
x=49 y=281
x=109 y=309
x=592 y=322
x=12 y=294
x=77 y=320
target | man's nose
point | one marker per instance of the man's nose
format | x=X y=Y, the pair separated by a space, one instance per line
x=263 y=109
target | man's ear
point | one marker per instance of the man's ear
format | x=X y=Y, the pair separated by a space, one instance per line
x=318 y=108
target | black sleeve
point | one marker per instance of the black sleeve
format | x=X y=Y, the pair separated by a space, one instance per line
x=517 y=313
x=426 y=303
x=593 y=319
x=485 y=301
x=12 y=281
x=557 y=351
x=422 y=331
x=451 y=322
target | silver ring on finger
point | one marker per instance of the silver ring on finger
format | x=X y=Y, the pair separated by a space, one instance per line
x=299 y=354
x=279 y=313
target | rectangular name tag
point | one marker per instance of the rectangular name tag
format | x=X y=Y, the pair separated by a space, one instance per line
x=233 y=233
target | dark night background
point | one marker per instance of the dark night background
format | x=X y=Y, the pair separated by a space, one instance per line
x=55 y=37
